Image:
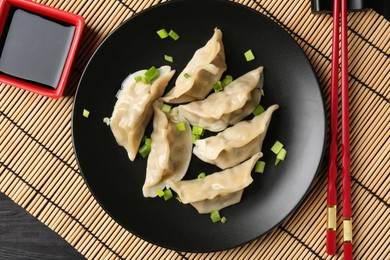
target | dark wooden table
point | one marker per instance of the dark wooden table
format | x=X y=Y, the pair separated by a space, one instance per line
x=22 y=236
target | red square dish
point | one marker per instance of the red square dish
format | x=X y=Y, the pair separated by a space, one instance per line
x=38 y=44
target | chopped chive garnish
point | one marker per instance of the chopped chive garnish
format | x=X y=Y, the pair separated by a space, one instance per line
x=160 y=193
x=145 y=81
x=201 y=175
x=168 y=194
x=144 y=150
x=215 y=217
x=223 y=220
x=226 y=80
x=148 y=141
x=217 y=87
x=277 y=161
x=138 y=78
x=260 y=165
x=258 y=110
x=198 y=130
x=181 y=126
x=186 y=75
x=195 y=138
x=249 y=55
x=277 y=147
x=281 y=154
x=173 y=35
x=168 y=58
x=151 y=74
x=106 y=120
x=85 y=113
x=166 y=108
x=162 y=33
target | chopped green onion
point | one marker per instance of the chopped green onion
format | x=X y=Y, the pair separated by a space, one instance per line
x=173 y=35
x=148 y=141
x=198 y=130
x=168 y=58
x=258 y=110
x=160 y=193
x=277 y=161
x=178 y=199
x=186 y=75
x=201 y=175
x=166 y=108
x=260 y=165
x=138 y=78
x=162 y=33
x=195 y=138
x=106 y=120
x=85 y=113
x=215 y=217
x=144 y=150
x=151 y=74
x=217 y=87
x=223 y=220
x=168 y=194
x=145 y=81
x=281 y=154
x=226 y=80
x=181 y=127
x=249 y=55
x=277 y=147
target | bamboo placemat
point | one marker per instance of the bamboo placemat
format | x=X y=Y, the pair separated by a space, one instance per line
x=38 y=169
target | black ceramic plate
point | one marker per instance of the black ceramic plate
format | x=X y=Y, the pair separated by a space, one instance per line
x=289 y=81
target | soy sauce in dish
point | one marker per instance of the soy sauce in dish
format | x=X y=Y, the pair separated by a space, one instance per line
x=34 y=48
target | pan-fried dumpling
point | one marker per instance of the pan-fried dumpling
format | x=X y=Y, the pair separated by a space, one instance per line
x=235 y=102
x=171 y=152
x=204 y=69
x=236 y=143
x=213 y=190
x=133 y=109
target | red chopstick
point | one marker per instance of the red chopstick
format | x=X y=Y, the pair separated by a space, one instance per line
x=332 y=170
x=346 y=176
x=332 y=166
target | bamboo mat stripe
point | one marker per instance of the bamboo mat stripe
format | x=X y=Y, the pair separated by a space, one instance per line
x=39 y=170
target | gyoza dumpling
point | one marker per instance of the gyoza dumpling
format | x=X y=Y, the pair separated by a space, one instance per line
x=133 y=109
x=235 y=102
x=171 y=152
x=214 y=189
x=218 y=203
x=204 y=69
x=236 y=143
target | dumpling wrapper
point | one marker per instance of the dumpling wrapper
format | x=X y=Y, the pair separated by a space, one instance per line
x=171 y=152
x=218 y=203
x=205 y=68
x=236 y=143
x=235 y=102
x=216 y=185
x=133 y=109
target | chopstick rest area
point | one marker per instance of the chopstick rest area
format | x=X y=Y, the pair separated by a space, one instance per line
x=38 y=44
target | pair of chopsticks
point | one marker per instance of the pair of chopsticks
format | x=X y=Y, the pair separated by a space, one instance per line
x=332 y=171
